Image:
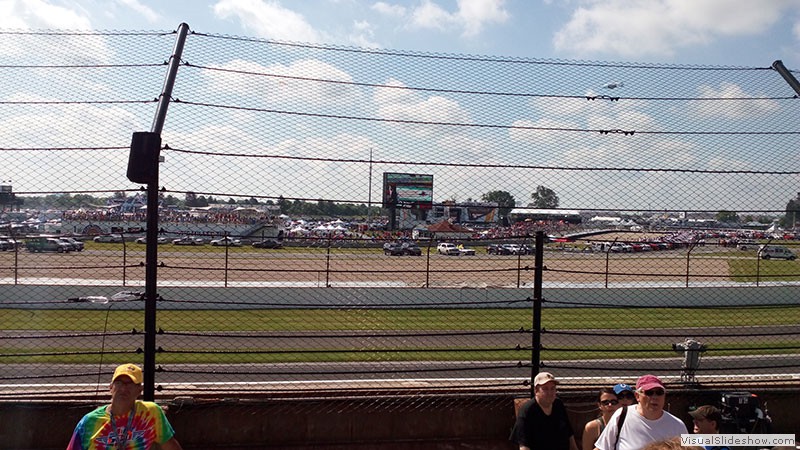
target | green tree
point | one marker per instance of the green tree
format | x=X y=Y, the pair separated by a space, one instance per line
x=504 y=200
x=727 y=217
x=544 y=198
x=792 y=213
x=191 y=199
x=283 y=205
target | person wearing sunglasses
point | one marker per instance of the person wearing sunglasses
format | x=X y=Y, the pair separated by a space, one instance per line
x=542 y=422
x=624 y=394
x=607 y=403
x=634 y=427
x=706 y=420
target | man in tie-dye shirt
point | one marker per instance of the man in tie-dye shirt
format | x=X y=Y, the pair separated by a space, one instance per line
x=127 y=423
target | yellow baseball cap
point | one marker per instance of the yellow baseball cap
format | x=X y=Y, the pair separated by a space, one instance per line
x=131 y=371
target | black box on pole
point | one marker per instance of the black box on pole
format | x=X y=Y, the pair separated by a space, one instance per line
x=143 y=159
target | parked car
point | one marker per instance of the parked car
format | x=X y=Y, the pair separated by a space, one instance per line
x=267 y=243
x=621 y=247
x=513 y=249
x=506 y=249
x=47 y=245
x=109 y=238
x=777 y=252
x=160 y=240
x=188 y=240
x=494 y=249
x=226 y=241
x=401 y=248
x=747 y=244
x=75 y=244
x=466 y=251
x=447 y=248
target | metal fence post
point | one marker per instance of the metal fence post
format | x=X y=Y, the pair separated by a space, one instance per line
x=538 y=272
x=151 y=258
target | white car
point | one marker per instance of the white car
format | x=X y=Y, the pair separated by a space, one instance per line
x=160 y=240
x=227 y=241
x=447 y=248
x=109 y=238
x=466 y=251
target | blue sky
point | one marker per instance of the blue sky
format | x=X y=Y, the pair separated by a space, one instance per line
x=716 y=32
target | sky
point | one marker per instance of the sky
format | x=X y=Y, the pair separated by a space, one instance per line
x=716 y=32
x=749 y=34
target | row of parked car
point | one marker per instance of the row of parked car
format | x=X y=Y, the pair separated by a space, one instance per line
x=54 y=244
x=226 y=241
x=410 y=248
x=509 y=249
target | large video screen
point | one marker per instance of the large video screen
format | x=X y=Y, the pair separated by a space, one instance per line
x=407 y=190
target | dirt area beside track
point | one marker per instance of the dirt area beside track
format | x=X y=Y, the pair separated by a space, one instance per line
x=317 y=267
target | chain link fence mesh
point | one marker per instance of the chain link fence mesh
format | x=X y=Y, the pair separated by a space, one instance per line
x=287 y=207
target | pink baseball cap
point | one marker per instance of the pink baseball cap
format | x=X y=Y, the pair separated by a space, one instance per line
x=646 y=382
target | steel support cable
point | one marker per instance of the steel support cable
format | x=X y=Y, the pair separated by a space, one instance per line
x=476 y=58
x=45 y=377
x=64 y=335
x=699 y=369
x=672 y=275
x=81 y=66
x=482 y=125
x=61 y=302
x=349 y=306
x=470 y=92
x=387 y=391
x=346 y=372
x=620 y=305
x=85 y=33
x=73 y=353
x=45 y=268
x=339 y=351
x=346 y=335
x=340 y=271
x=77 y=102
x=104 y=191
x=17 y=395
x=709 y=349
x=629 y=333
x=469 y=165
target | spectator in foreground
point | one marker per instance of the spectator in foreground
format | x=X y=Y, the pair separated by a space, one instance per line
x=634 y=427
x=127 y=423
x=542 y=422
x=625 y=394
x=607 y=403
x=706 y=421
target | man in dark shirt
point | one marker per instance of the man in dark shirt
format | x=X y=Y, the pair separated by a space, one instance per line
x=542 y=422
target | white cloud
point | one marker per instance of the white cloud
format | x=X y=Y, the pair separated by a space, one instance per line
x=389 y=9
x=285 y=89
x=471 y=16
x=733 y=109
x=633 y=28
x=363 y=35
x=474 y=14
x=41 y=14
x=396 y=104
x=268 y=19
x=431 y=15
x=145 y=11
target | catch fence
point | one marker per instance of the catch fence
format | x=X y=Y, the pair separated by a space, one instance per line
x=305 y=190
